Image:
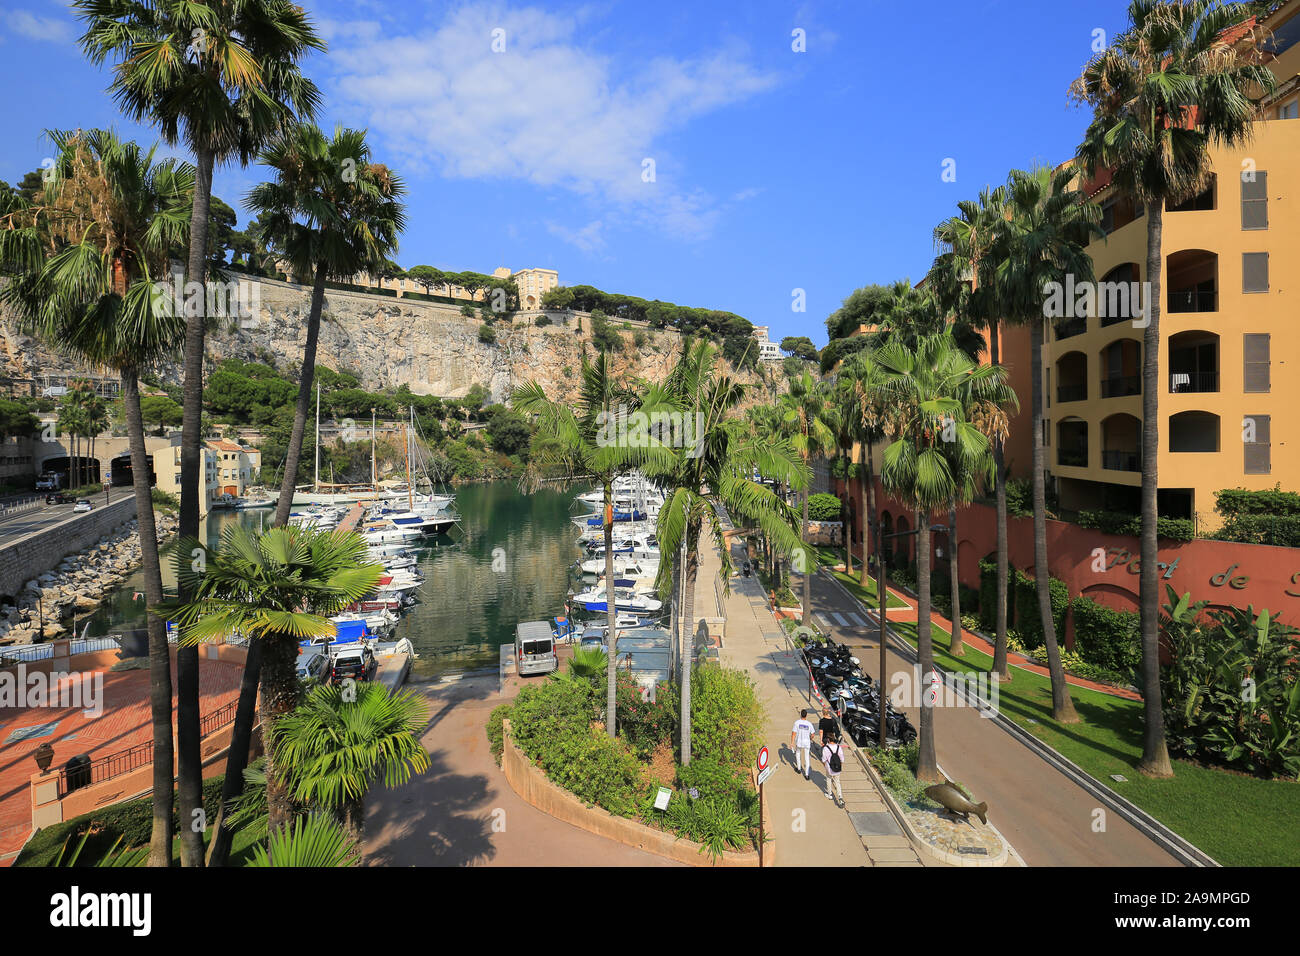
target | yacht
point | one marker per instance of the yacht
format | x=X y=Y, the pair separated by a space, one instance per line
x=625 y=599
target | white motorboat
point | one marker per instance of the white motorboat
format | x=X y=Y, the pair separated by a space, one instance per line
x=624 y=566
x=625 y=599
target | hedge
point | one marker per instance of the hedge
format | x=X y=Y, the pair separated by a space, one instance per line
x=1106 y=637
x=1028 y=620
x=1239 y=501
x=823 y=507
x=1281 y=530
x=1120 y=522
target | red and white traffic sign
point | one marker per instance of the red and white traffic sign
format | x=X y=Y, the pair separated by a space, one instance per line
x=762 y=760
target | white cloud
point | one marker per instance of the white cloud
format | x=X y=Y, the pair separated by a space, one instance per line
x=545 y=110
x=51 y=29
x=588 y=238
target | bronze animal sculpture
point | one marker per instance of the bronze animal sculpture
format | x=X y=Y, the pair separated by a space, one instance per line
x=952 y=799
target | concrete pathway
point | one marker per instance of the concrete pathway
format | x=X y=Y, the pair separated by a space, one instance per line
x=810 y=829
x=1047 y=817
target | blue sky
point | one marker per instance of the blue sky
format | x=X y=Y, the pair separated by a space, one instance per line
x=773 y=170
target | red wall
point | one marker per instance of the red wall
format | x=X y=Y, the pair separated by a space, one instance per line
x=1225 y=573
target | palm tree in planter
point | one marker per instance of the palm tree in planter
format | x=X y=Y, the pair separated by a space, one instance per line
x=712 y=476
x=1184 y=77
x=333 y=749
x=1044 y=241
x=332 y=213
x=804 y=407
x=222 y=78
x=593 y=437
x=926 y=385
x=83 y=268
x=962 y=278
x=278 y=587
x=869 y=420
x=841 y=419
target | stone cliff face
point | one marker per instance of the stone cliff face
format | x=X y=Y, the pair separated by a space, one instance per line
x=387 y=342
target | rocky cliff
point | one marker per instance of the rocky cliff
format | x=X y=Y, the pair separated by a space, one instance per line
x=387 y=342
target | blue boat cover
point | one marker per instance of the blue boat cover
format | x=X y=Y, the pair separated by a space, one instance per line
x=351 y=631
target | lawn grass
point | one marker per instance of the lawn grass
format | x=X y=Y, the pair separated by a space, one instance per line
x=1238 y=820
x=867 y=594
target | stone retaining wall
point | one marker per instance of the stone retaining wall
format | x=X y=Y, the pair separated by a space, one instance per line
x=41 y=550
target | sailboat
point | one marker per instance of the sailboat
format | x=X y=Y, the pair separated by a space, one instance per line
x=347 y=494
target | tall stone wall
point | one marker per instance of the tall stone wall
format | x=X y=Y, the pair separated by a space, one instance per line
x=38 y=552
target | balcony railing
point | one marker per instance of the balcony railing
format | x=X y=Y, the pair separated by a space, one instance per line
x=1192 y=301
x=1073 y=458
x=1071 y=328
x=1121 y=460
x=1120 y=385
x=1193 y=381
x=1071 y=393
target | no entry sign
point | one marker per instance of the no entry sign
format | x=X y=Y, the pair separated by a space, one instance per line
x=762 y=760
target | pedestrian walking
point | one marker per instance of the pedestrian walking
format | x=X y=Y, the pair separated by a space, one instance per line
x=801 y=740
x=826 y=726
x=833 y=761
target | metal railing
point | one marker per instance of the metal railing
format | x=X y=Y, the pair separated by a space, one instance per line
x=1121 y=460
x=1192 y=301
x=21 y=506
x=1071 y=328
x=1118 y=386
x=1071 y=393
x=1072 y=458
x=1193 y=382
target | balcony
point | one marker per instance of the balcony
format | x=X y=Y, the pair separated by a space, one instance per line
x=1072 y=457
x=1072 y=443
x=1194 y=362
x=1071 y=327
x=1192 y=281
x=1071 y=393
x=1118 y=386
x=1193 y=300
x=1194 y=432
x=1121 y=460
x=1072 y=377
x=1193 y=381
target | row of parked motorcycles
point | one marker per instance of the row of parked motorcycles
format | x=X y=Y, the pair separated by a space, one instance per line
x=854 y=697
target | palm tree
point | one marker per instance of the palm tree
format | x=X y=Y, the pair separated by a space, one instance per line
x=869 y=418
x=715 y=476
x=84 y=268
x=926 y=385
x=97 y=421
x=962 y=278
x=316 y=840
x=73 y=424
x=222 y=77
x=588 y=437
x=278 y=587
x=841 y=418
x=804 y=408
x=1048 y=228
x=1172 y=85
x=331 y=213
x=332 y=749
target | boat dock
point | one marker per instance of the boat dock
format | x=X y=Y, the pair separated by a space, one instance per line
x=352 y=520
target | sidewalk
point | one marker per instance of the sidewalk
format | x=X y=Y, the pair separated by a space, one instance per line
x=810 y=829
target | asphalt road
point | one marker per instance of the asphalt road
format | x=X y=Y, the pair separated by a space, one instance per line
x=1048 y=818
x=16 y=526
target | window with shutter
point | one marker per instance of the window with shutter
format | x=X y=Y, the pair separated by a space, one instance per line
x=1254 y=272
x=1255 y=370
x=1257 y=457
x=1254 y=200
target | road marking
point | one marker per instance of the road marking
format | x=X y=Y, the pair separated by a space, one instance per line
x=856 y=621
x=825 y=624
x=839 y=619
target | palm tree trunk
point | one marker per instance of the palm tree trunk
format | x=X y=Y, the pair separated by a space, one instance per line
x=189 y=760
x=611 y=615
x=241 y=739
x=688 y=634
x=1000 y=494
x=927 y=765
x=844 y=519
x=868 y=512
x=354 y=819
x=160 y=665
x=279 y=697
x=303 y=406
x=1155 y=754
x=807 y=566
x=1062 y=705
x=956 y=646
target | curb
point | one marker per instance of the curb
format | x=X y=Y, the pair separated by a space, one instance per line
x=1176 y=846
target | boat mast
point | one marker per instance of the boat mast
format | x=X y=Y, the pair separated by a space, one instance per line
x=374 y=469
x=410 y=497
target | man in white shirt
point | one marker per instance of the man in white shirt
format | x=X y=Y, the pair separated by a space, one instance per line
x=833 y=754
x=801 y=740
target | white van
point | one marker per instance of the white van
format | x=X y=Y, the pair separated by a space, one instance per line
x=535 y=648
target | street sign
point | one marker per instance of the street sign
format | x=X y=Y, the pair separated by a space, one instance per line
x=661 y=800
x=764 y=774
x=762 y=760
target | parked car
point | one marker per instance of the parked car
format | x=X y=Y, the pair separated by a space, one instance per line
x=82 y=506
x=357 y=664
x=58 y=498
x=49 y=481
x=313 y=665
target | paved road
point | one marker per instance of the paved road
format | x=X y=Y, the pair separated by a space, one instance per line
x=1047 y=817
x=16 y=526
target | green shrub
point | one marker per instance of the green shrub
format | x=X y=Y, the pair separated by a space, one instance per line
x=727 y=716
x=711 y=778
x=1028 y=620
x=1238 y=501
x=645 y=725
x=823 y=507
x=1119 y=522
x=1279 y=530
x=716 y=823
x=1105 y=637
x=542 y=321
x=495 y=732
x=487 y=334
